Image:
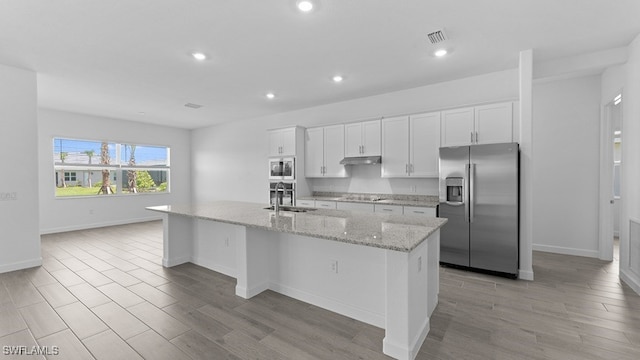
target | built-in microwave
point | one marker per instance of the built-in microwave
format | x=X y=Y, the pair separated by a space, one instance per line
x=282 y=169
x=285 y=196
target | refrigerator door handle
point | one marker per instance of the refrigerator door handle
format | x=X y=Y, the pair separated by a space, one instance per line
x=472 y=197
x=465 y=190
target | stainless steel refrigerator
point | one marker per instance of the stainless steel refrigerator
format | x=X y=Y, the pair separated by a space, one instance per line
x=479 y=192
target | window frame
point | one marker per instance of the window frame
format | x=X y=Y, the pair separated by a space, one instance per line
x=118 y=168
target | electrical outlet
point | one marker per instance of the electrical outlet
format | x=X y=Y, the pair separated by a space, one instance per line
x=226 y=241
x=8 y=196
x=90 y=211
x=412 y=188
x=419 y=263
x=334 y=266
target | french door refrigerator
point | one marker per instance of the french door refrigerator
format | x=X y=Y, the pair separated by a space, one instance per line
x=479 y=191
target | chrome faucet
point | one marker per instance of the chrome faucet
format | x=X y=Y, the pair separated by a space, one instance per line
x=284 y=192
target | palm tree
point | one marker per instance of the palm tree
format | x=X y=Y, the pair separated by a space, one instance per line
x=90 y=154
x=105 y=160
x=63 y=156
x=132 y=175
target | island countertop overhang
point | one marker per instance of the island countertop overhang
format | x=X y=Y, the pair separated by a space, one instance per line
x=392 y=232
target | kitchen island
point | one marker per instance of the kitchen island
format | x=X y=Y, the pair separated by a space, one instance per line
x=379 y=269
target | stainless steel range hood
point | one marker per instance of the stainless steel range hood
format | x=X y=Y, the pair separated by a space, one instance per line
x=361 y=160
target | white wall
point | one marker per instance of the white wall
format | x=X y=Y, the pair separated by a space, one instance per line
x=19 y=239
x=230 y=160
x=629 y=246
x=78 y=213
x=566 y=169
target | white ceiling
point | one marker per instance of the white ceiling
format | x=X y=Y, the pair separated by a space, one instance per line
x=121 y=58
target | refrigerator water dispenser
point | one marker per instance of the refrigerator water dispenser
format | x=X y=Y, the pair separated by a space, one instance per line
x=454 y=189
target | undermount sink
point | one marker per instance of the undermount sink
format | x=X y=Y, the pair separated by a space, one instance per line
x=291 y=208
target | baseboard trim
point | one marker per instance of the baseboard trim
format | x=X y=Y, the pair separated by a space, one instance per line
x=363 y=315
x=400 y=352
x=525 y=275
x=175 y=261
x=630 y=278
x=211 y=265
x=99 y=225
x=566 y=250
x=20 y=265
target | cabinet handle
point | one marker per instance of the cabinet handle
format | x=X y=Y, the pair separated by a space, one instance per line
x=418 y=212
x=406 y=168
x=472 y=137
x=387 y=209
x=476 y=137
x=411 y=168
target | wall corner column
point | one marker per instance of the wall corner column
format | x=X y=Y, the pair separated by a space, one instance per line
x=526 y=164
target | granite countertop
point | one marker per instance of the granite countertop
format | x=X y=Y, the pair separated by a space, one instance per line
x=387 y=199
x=393 y=232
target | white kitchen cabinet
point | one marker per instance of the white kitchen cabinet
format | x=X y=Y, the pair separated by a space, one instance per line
x=457 y=127
x=420 y=211
x=282 y=142
x=324 y=148
x=323 y=204
x=355 y=206
x=494 y=123
x=362 y=138
x=388 y=209
x=485 y=124
x=305 y=203
x=410 y=145
x=314 y=152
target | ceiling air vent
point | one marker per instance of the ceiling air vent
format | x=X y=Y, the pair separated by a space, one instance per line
x=437 y=36
x=193 y=106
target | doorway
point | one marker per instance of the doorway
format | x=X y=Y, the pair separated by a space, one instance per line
x=610 y=178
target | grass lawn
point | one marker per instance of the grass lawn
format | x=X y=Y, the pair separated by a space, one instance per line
x=76 y=191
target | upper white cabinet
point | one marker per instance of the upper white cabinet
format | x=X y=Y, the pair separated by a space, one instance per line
x=494 y=123
x=324 y=148
x=282 y=142
x=484 y=124
x=410 y=145
x=362 y=139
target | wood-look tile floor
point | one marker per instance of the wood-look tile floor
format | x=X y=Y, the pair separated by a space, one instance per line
x=103 y=294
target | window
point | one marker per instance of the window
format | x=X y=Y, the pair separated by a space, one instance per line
x=95 y=168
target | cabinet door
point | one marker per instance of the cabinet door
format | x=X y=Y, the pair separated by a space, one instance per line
x=313 y=152
x=424 y=142
x=395 y=147
x=288 y=141
x=334 y=151
x=275 y=142
x=371 y=138
x=494 y=123
x=457 y=127
x=353 y=139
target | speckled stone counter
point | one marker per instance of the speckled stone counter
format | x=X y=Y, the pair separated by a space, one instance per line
x=393 y=232
x=387 y=199
x=377 y=268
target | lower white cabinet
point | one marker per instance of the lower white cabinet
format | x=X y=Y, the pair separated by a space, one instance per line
x=418 y=210
x=305 y=203
x=322 y=204
x=388 y=209
x=355 y=206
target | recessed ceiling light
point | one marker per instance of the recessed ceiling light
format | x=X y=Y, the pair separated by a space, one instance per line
x=338 y=78
x=440 y=53
x=270 y=96
x=199 y=56
x=305 y=5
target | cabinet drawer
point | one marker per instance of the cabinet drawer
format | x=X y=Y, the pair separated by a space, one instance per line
x=418 y=210
x=355 y=206
x=305 y=203
x=325 y=204
x=388 y=209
